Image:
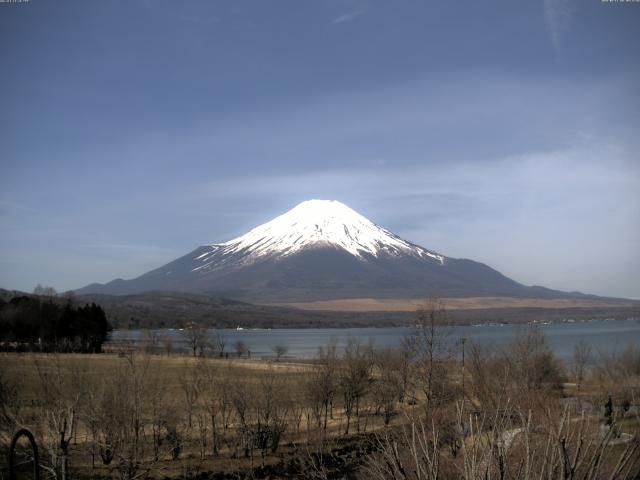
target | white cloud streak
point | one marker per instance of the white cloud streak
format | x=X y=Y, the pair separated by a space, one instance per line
x=557 y=17
x=347 y=17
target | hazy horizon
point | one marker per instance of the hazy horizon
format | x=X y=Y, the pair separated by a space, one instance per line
x=133 y=132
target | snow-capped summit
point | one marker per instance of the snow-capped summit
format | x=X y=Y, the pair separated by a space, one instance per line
x=320 y=223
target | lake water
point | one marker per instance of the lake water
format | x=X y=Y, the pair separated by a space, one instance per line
x=606 y=336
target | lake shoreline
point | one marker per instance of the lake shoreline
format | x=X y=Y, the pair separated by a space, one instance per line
x=606 y=336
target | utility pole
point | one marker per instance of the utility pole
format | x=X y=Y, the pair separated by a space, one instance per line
x=463 y=341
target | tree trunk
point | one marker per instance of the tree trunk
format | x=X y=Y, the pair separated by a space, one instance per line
x=214 y=435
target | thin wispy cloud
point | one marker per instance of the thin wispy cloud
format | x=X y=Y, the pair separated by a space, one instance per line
x=557 y=18
x=347 y=17
x=132 y=248
x=9 y=207
x=200 y=19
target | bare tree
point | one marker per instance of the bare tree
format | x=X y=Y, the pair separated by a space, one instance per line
x=321 y=385
x=271 y=410
x=62 y=391
x=192 y=384
x=430 y=342
x=240 y=348
x=161 y=415
x=151 y=341
x=9 y=407
x=196 y=337
x=261 y=412
x=414 y=454
x=241 y=399
x=404 y=367
x=354 y=377
x=89 y=410
x=279 y=350
x=491 y=376
x=218 y=342
x=507 y=443
x=107 y=417
x=535 y=368
x=167 y=343
x=121 y=416
x=581 y=357
x=389 y=384
x=218 y=393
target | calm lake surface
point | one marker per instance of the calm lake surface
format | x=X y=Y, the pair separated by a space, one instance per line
x=605 y=336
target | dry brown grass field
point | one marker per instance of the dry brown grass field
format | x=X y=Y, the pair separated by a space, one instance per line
x=164 y=372
x=469 y=303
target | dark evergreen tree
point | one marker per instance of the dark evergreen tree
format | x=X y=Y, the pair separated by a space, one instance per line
x=43 y=323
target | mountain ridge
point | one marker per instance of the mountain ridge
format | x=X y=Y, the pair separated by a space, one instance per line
x=323 y=250
x=163 y=309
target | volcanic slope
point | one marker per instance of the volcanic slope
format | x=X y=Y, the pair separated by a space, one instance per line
x=323 y=250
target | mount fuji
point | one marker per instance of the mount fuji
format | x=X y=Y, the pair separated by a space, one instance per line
x=322 y=250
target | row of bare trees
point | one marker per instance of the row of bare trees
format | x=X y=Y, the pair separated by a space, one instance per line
x=139 y=409
x=201 y=342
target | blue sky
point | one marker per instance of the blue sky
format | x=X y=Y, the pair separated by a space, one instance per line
x=506 y=132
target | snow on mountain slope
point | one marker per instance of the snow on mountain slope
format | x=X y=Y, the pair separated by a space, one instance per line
x=320 y=250
x=316 y=223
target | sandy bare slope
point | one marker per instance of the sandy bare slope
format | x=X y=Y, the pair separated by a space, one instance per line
x=470 y=303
